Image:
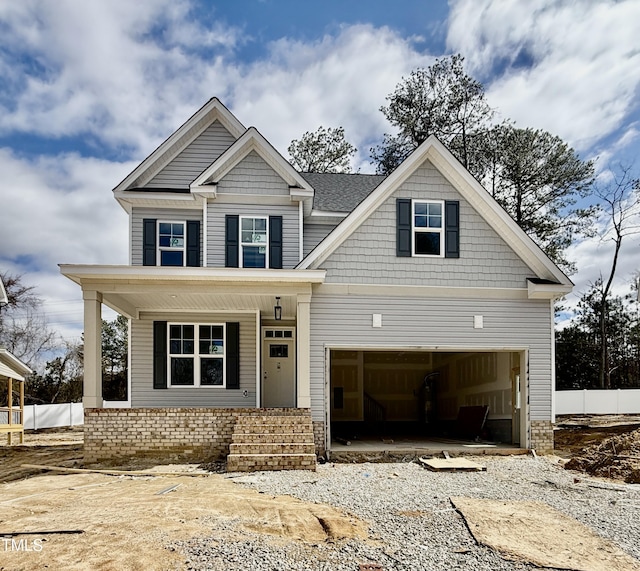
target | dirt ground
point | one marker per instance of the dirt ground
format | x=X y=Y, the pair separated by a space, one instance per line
x=607 y=446
x=121 y=522
x=98 y=522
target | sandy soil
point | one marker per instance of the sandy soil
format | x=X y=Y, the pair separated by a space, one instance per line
x=126 y=523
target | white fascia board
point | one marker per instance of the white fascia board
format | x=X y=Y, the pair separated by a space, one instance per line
x=79 y=273
x=147 y=198
x=547 y=291
x=14 y=364
x=211 y=111
x=4 y=299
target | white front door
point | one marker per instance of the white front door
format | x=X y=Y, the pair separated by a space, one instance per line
x=278 y=367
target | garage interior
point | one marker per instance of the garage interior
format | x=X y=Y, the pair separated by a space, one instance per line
x=415 y=395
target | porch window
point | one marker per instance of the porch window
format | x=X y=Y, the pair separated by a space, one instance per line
x=196 y=355
x=253 y=242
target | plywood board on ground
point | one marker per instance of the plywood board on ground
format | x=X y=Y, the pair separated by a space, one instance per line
x=452 y=465
x=536 y=533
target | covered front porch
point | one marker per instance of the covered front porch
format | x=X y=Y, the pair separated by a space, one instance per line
x=203 y=307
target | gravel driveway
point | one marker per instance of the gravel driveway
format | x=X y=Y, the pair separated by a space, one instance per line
x=412 y=523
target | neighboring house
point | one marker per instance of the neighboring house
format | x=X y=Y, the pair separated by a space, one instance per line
x=11 y=396
x=253 y=286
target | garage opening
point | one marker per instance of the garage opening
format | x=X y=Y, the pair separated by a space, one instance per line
x=474 y=397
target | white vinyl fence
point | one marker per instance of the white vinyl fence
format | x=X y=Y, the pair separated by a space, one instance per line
x=53 y=415
x=620 y=401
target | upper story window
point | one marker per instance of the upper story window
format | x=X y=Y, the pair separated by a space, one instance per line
x=427 y=228
x=171 y=243
x=254 y=240
x=196 y=355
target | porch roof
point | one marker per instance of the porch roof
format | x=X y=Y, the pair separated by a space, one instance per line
x=132 y=290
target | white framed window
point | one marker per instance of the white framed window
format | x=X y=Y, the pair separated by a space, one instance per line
x=427 y=228
x=171 y=243
x=254 y=242
x=196 y=355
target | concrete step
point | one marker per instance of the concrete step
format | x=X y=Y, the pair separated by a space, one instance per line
x=271 y=448
x=255 y=462
x=276 y=437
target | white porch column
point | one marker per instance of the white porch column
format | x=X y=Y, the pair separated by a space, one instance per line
x=92 y=389
x=303 y=353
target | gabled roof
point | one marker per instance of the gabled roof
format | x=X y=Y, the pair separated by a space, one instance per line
x=470 y=189
x=250 y=141
x=12 y=367
x=341 y=192
x=211 y=111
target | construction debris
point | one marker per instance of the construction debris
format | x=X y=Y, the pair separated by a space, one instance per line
x=616 y=457
x=536 y=533
x=111 y=472
x=451 y=465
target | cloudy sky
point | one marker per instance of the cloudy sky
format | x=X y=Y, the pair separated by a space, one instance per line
x=89 y=89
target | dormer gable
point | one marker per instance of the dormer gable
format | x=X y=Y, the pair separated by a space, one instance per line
x=202 y=120
x=253 y=143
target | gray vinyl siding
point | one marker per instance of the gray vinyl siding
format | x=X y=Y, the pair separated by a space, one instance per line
x=216 y=229
x=369 y=254
x=144 y=395
x=420 y=322
x=168 y=214
x=314 y=234
x=252 y=175
x=194 y=159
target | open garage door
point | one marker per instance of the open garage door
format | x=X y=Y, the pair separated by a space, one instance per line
x=471 y=395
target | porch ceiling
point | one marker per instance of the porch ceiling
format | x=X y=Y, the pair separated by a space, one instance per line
x=135 y=290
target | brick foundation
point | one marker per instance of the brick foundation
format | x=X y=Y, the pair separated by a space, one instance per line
x=542 y=436
x=319 y=437
x=165 y=434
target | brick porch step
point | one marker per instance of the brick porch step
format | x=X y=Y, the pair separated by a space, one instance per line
x=255 y=462
x=272 y=448
x=272 y=443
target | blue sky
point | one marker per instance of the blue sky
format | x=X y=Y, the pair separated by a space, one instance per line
x=91 y=88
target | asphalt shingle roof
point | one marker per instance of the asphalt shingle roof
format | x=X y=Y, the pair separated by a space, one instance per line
x=339 y=192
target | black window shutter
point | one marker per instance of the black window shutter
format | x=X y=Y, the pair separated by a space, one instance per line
x=275 y=242
x=148 y=242
x=451 y=229
x=159 y=354
x=403 y=227
x=231 y=250
x=232 y=355
x=193 y=243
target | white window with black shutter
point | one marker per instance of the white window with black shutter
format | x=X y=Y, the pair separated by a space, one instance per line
x=427 y=228
x=196 y=355
x=171 y=243
x=253 y=241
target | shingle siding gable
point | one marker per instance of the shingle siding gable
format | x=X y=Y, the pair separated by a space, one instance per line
x=252 y=175
x=369 y=254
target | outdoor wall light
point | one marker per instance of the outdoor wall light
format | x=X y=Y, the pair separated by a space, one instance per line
x=277 y=310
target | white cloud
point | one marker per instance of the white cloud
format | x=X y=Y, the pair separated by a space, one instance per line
x=570 y=68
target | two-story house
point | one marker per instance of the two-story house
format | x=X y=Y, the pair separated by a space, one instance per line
x=254 y=290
